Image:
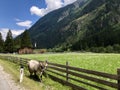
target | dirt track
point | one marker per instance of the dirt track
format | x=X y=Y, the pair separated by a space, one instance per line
x=6 y=82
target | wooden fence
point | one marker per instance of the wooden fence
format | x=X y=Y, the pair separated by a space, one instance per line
x=77 y=78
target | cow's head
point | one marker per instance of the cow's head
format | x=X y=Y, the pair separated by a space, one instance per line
x=43 y=65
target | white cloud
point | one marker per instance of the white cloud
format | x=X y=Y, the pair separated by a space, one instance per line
x=18 y=20
x=51 y=5
x=14 y=32
x=66 y=2
x=26 y=23
x=35 y=10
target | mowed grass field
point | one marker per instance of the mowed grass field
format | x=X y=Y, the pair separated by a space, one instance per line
x=92 y=61
x=102 y=62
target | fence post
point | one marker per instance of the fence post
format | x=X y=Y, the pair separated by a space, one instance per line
x=118 y=73
x=20 y=61
x=11 y=59
x=67 y=71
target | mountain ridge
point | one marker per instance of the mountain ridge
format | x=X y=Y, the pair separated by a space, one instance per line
x=82 y=24
x=46 y=25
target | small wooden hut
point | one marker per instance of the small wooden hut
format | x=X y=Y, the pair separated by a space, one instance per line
x=25 y=50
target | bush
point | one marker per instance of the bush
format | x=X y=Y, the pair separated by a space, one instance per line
x=101 y=50
x=98 y=49
x=42 y=50
x=109 y=49
x=116 y=48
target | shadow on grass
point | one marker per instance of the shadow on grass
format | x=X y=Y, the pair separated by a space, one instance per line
x=34 y=77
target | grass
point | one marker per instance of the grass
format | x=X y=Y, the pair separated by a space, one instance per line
x=30 y=84
x=99 y=62
x=92 y=61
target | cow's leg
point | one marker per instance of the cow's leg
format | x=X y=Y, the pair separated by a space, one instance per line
x=30 y=73
x=41 y=76
x=35 y=73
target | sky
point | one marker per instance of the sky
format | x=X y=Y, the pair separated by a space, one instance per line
x=18 y=15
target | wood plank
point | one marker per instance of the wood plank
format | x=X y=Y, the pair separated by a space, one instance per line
x=92 y=85
x=75 y=87
x=107 y=83
x=102 y=74
x=118 y=82
x=58 y=69
x=77 y=80
x=56 y=73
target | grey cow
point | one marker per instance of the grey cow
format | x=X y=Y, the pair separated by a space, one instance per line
x=36 y=67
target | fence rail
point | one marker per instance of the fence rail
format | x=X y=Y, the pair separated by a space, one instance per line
x=67 y=75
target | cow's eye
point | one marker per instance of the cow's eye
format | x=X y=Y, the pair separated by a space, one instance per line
x=42 y=67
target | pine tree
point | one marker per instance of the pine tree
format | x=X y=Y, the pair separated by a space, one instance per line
x=9 y=43
x=17 y=43
x=25 y=40
x=1 y=44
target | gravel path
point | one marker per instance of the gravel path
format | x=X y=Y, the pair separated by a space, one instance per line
x=6 y=82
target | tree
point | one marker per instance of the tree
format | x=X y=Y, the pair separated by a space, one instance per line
x=109 y=49
x=25 y=39
x=17 y=43
x=9 y=43
x=116 y=48
x=1 y=44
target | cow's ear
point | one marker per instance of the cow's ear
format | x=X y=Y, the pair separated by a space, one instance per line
x=40 y=63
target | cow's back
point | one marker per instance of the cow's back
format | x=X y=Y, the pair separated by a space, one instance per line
x=33 y=65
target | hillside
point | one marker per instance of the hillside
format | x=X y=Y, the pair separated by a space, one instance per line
x=51 y=29
x=83 y=24
x=100 y=27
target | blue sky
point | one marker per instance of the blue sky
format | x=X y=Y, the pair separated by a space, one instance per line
x=18 y=15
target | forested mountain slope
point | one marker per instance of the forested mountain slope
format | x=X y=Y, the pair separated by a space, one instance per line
x=83 y=24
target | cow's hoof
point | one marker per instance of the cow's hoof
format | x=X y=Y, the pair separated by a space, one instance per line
x=30 y=76
x=40 y=81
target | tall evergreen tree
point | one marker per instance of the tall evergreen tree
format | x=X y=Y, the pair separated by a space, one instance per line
x=1 y=43
x=25 y=39
x=9 y=43
x=17 y=43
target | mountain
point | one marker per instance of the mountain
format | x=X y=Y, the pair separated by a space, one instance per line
x=85 y=23
x=102 y=26
x=49 y=30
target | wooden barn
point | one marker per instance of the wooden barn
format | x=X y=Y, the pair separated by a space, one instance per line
x=25 y=50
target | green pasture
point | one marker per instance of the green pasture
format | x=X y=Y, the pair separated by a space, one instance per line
x=108 y=63
x=30 y=84
x=92 y=61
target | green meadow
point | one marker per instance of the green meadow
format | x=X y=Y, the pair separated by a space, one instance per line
x=102 y=62
x=28 y=83
x=92 y=61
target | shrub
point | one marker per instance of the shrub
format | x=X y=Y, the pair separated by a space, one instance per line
x=116 y=48
x=109 y=49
